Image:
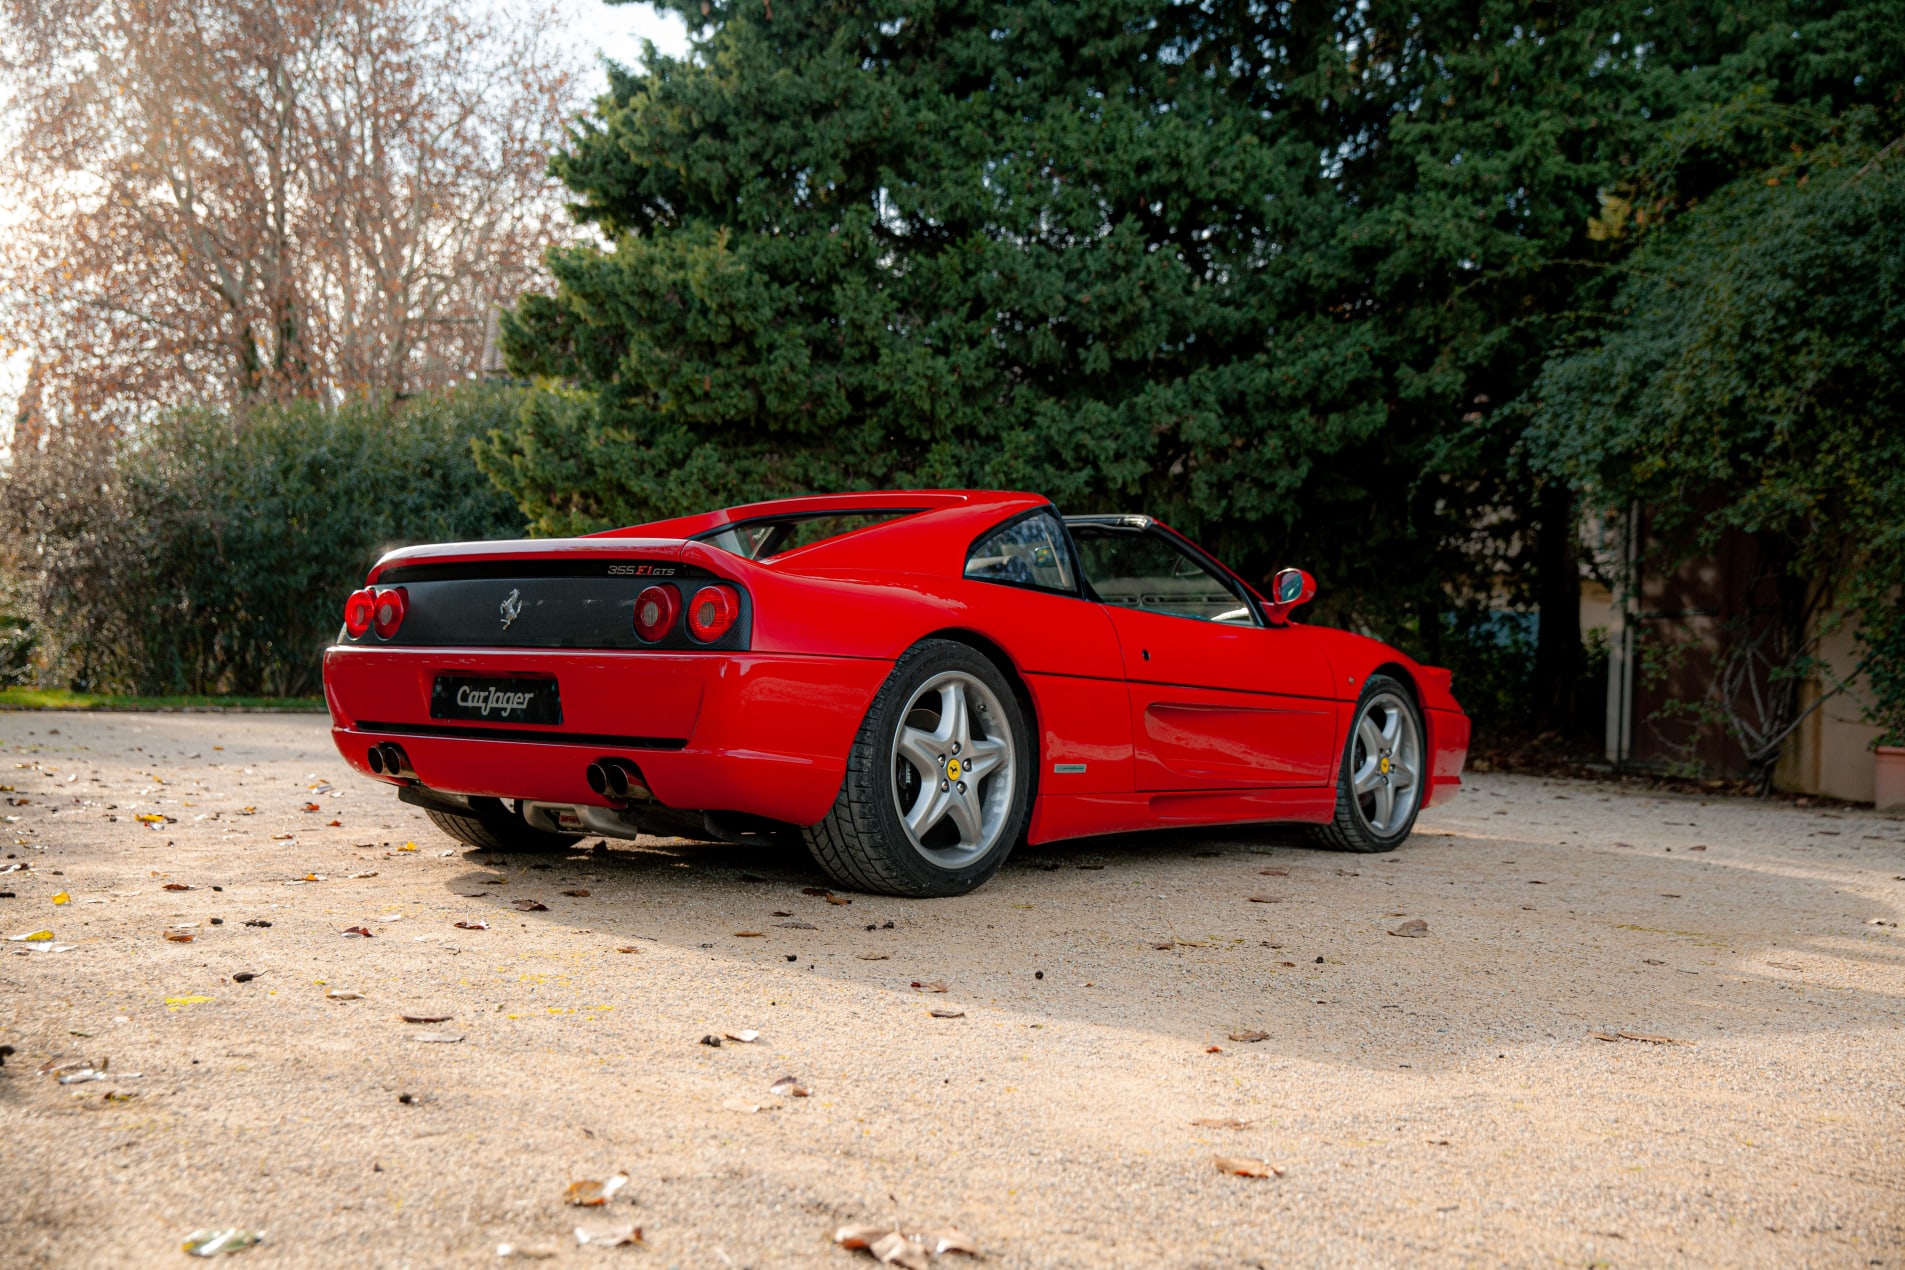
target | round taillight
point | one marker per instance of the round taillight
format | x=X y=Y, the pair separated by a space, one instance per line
x=711 y=613
x=387 y=611
x=357 y=611
x=655 y=612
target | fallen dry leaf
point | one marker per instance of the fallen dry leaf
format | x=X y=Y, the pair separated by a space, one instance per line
x=1223 y=1122
x=1242 y=1166
x=859 y=1235
x=1414 y=928
x=356 y=932
x=941 y=1012
x=748 y=934
x=608 y=1236
x=874 y=957
x=177 y=886
x=512 y=1251
x=948 y=1240
x=796 y=925
x=179 y=936
x=530 y=906
x=426 y=1018
x=1249 y=1038
x=895 y=1249
x=815 y=890
x=628 y=948
x=838 y=899
x=312 y=807
x=1274 y=873
x=336 y=824
x=593 y=1193
x=580 y=893
x=788 y=1087
x=1266 y=899
x=1650 y=1039
x=472 y=925
x=1213 y=1049
x=937 y=985
x=1602 y=1036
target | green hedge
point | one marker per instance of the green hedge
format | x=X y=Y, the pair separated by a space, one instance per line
x=201 y=555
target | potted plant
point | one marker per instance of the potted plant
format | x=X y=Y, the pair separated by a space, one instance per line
x=1885 y=671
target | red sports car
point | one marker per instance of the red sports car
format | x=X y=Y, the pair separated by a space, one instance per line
x=913 y=682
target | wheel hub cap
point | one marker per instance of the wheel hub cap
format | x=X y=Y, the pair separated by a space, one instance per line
x=954 y=774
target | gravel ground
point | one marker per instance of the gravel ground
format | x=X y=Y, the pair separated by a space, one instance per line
x=1434 y=1100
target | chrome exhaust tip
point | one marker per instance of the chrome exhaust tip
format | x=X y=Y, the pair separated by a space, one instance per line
x=375 y=759
x=618 y=779
x=396 y=762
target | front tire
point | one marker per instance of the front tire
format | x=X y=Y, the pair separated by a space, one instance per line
x=938 y=782
x=1385 y=766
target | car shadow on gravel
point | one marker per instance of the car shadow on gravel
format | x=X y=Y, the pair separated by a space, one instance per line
x=1213 y=935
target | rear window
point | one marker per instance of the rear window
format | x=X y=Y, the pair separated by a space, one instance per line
x=774 y=535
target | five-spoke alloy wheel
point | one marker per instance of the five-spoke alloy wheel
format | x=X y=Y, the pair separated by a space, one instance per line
x=1379 y=788
x=937 y=783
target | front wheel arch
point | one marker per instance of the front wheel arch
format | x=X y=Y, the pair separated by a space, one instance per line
x=1350 y=828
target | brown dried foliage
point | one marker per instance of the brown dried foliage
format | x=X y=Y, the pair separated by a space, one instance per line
x=236 y=201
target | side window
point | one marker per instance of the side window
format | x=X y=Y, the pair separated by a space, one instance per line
x=1028 y=552
x=1145 y=570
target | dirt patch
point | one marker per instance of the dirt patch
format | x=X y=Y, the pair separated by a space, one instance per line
x=1435 y=1099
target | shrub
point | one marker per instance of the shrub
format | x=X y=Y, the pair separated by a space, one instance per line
x=201 y=555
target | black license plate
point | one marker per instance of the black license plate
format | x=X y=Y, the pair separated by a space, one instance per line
x=495 y=700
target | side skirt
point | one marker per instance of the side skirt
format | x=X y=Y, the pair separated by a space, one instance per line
x=1059 y=816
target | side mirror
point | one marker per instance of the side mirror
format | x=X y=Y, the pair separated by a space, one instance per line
x=1288 y=589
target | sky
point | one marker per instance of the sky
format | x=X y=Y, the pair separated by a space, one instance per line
x=617 y=31
x=591 y=28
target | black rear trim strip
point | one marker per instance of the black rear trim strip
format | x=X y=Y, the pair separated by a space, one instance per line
x=535 y=736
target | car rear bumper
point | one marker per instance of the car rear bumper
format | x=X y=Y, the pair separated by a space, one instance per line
x=764 y=734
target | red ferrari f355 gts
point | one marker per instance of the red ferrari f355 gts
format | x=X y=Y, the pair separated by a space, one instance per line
x=912 y=682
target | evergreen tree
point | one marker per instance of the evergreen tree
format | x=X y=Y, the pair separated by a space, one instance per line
x=1271 y=272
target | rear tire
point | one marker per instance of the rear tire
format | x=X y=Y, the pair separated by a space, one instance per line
x=938 y=783
x=499 y=829
x=1383 y=772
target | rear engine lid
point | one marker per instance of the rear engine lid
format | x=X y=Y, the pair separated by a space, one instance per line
x=562 y=594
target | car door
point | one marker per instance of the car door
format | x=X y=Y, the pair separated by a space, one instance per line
x=1218 y=699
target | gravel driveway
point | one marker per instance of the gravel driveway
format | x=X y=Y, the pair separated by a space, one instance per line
x=1434 y=1100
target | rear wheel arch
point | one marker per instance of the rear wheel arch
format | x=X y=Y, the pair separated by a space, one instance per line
x=995 y=653
x=870 y=840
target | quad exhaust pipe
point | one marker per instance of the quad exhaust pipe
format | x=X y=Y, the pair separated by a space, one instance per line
x=388 y=759
x=617 y=778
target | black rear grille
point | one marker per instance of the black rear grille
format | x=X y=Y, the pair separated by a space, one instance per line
x=567 y=609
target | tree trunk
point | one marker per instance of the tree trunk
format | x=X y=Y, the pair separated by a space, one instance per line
x=1558 y=596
